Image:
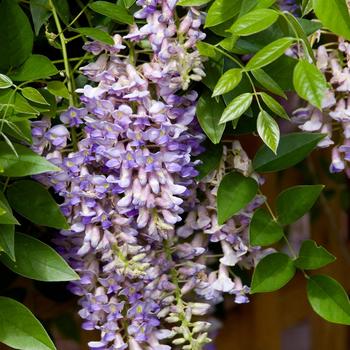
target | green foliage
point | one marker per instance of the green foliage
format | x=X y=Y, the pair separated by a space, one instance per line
x=269 y=53
x=221 y=11
x=268 y=130
x=334 y=15
x=309 y=83
x=34 y=202
x=267 y=82
x=272 y=273
x=192 y=2
x=274 y=106
x=234 y=193
x=20 y=329
x=16 y=36
x=292 y=149
x=40 y=11
x=96 y=34
x=58 y=88
x=26 y=162
x=38 y=261
x=228 y=81
x=112 y=11
x=5 y=81
x=33 y=95
x=208 y=113
x=7 y=233
x=236 y=107
x=296 y=201
x=328 y=299
x=312 y=257
x=254 y=22
x=263 y=229
x=210 y=160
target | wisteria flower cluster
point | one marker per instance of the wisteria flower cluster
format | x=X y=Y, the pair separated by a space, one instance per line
x=143 y=229
x=334 y=118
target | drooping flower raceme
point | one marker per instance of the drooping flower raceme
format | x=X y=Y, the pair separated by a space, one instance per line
x=130 y=182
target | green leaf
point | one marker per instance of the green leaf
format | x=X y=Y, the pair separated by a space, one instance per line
x=221 y=11
x=33 y=201
x=34 y=68
x=38 y=261
x=309 y=83
x=296 y=201
x=96 y=34
x=237 y=107
x=34 y=95
x=27 y=162
x=275 y=106
x=7 y=240
x=306 y=7
x=40 y=11
x=16 y=36
x=269 y=53
x=15 y=103
x=57 y=88
x=208 y=50
x=192 y=2
x=334 y=14
x=312 y=256
x=268 y=130
x=234 y=193
x=7 y=233
x=210 y=160
x=328 y=299
x=20 y=329
x=5 y=81
x=208 y=112
x=228 y=81
x=263 y=229
x=268 y=83
x=272 y=273
x=112 y=11
x=292 y=149
x=254 y=22
x=6 y=216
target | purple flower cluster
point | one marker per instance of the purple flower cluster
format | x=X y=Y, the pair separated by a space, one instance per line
x=139 y=237
x=334 y=119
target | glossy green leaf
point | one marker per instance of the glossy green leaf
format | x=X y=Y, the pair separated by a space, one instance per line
x=309 y=83
x=33 y=95
x=263 y=229
x=7 y=240
x=40 y=11
x=312 y=257
x=112 y=11
x=295 y=202
x=269 y=53
x=292 y=149
x=27 y=162
x=7 y=233
x=33 y=201
x=234 y=193
x=16 y=36
x=334 y=14
x=209 y=112
x=221 y=11
x=20 y=329
x=192 y=2
x=34 y=68
x=268 y=130
x=96 y=34
x=63 y=10
x=57 y=88
x=6 y=217
x=268 y=83
x=210 y=160
x=13 y=102
x=328 y=299
x=272 y=273
x=228 y=81
x=38 y=261
x=208 y=50
x=254 y=22
x=274 y=106
x=237 y=107
x=5 y=81
x=306 y=7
